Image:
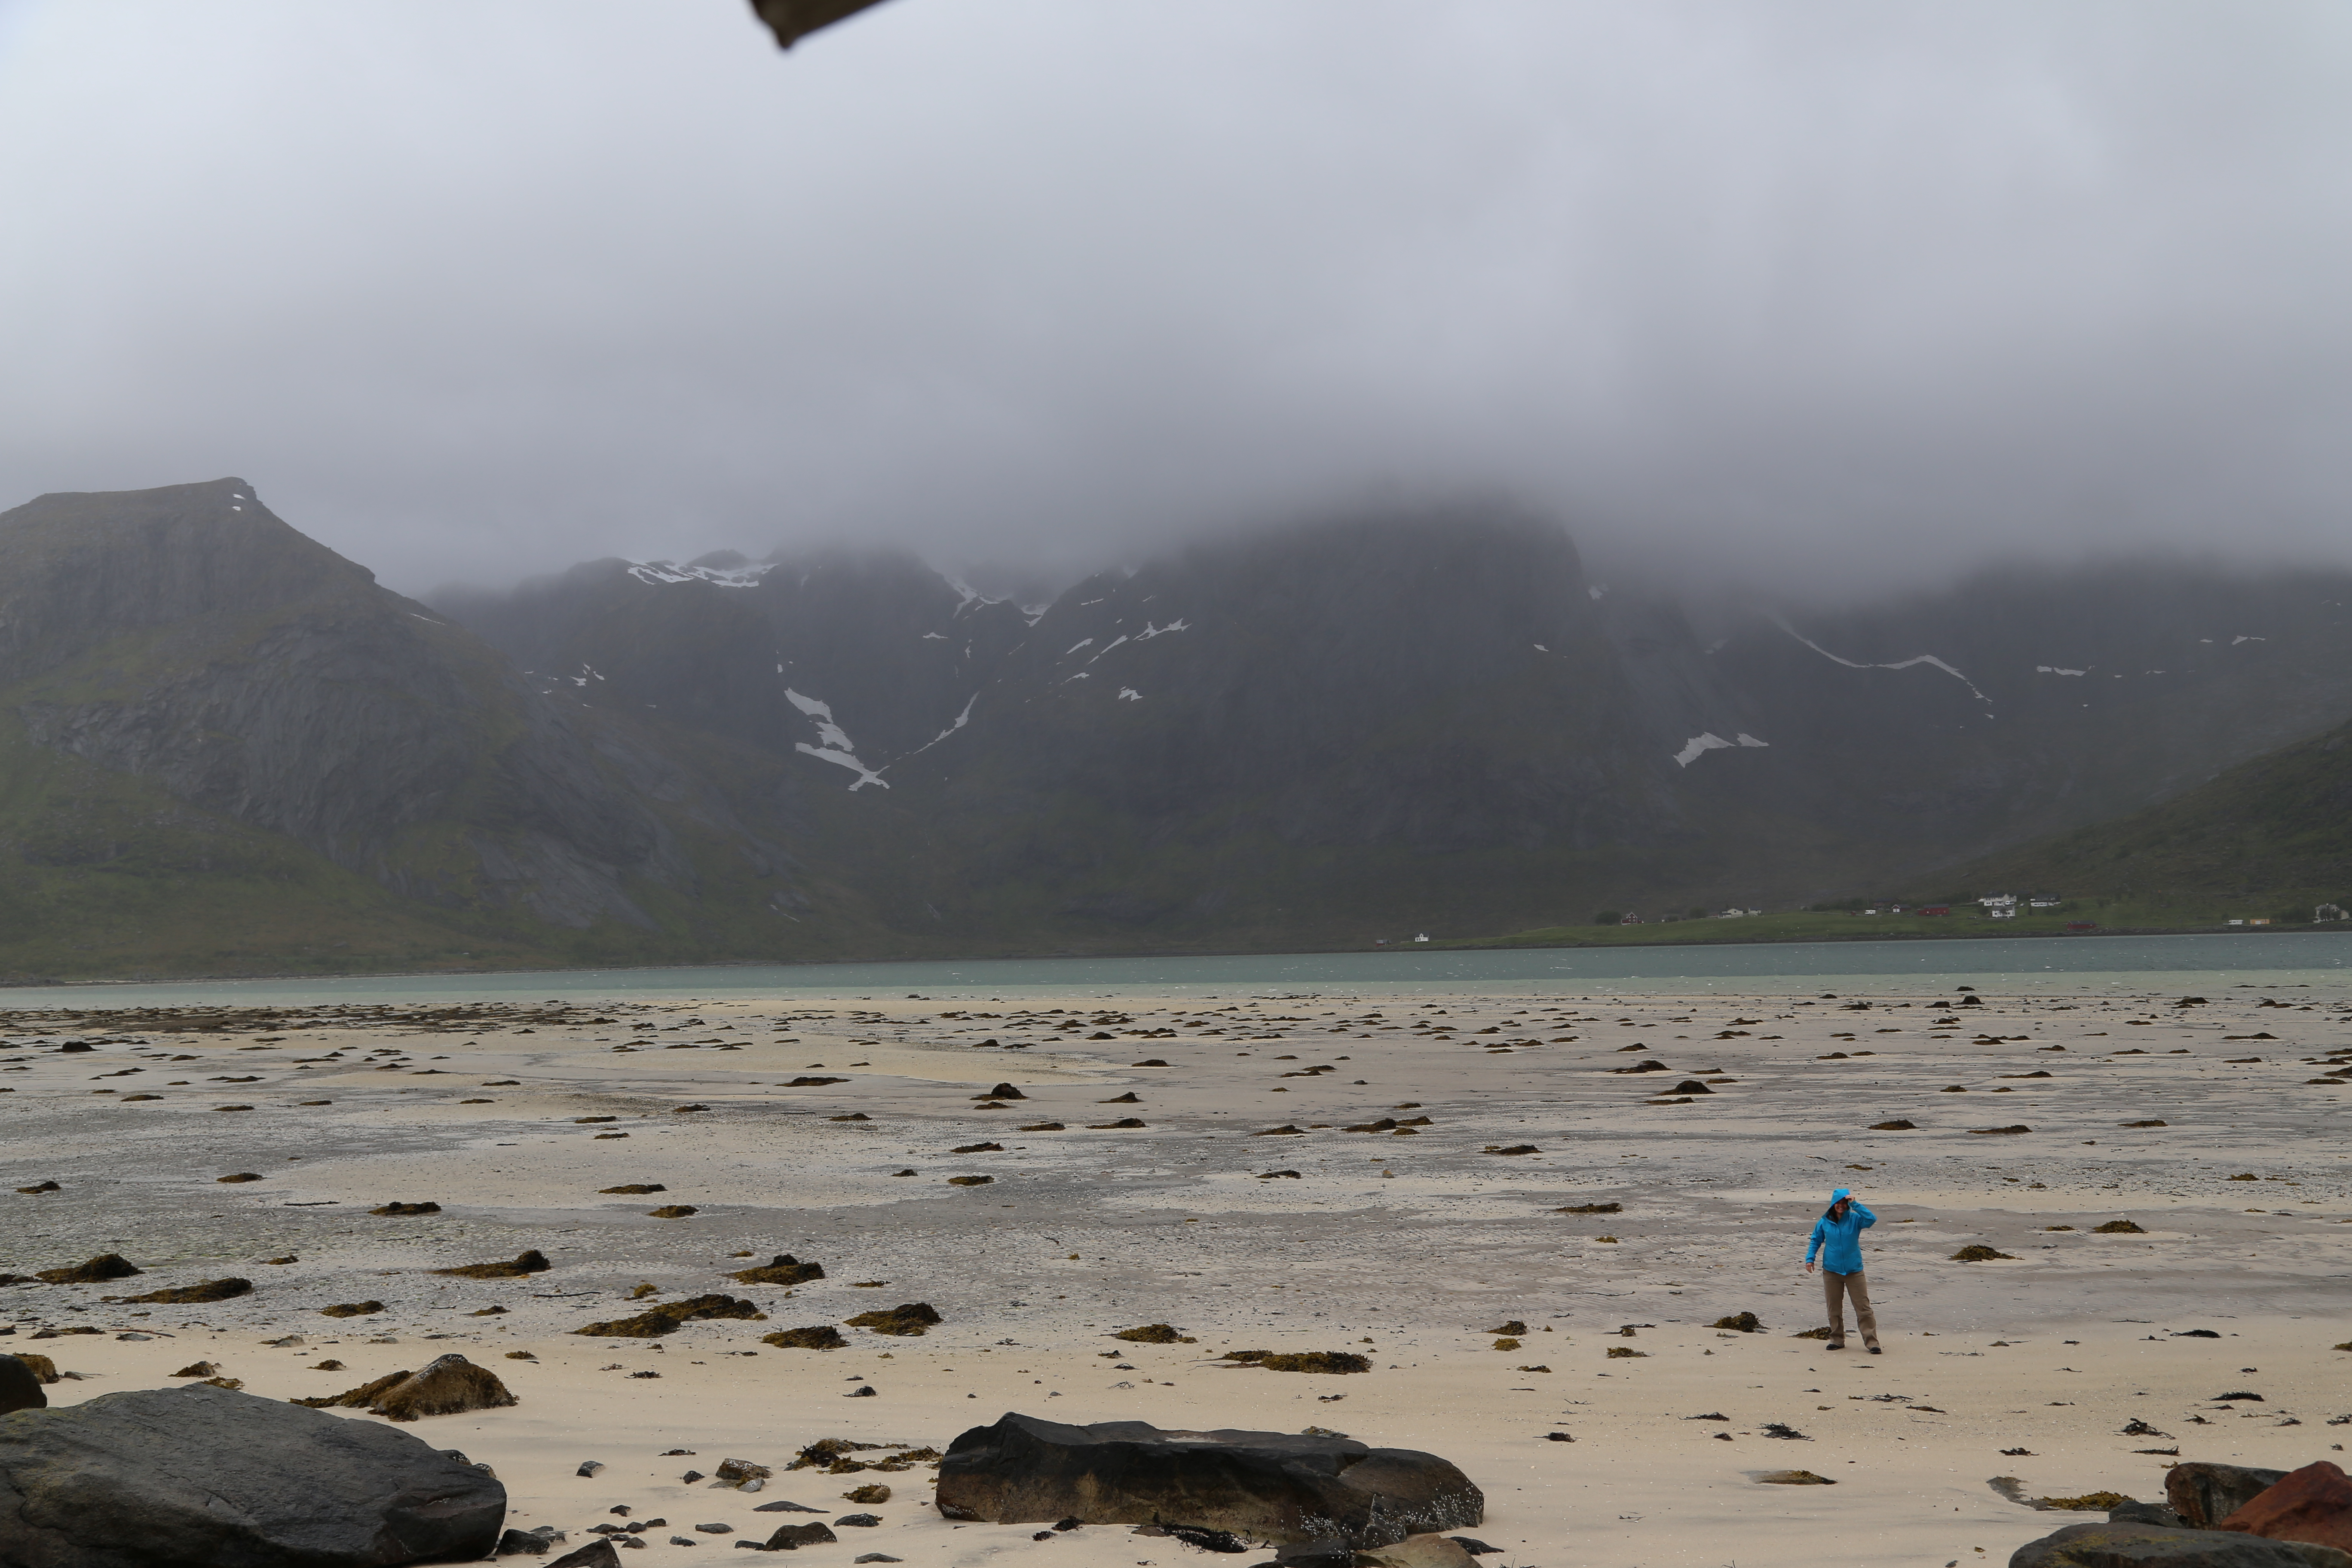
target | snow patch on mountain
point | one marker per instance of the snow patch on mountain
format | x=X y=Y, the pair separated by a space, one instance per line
x=1902 y=664
x=836 y=747
x=960 y=721
x=1129 y=694
x=656 y=573
x=1150 y=631
x=2054 y=669
x=1698 y=746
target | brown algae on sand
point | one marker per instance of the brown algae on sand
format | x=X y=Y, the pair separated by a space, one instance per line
x=1155 y=1334
x=666 y=1318
x=1301 y=1360
x=530 y=1262
x=907 y=1320
x=785 y=1270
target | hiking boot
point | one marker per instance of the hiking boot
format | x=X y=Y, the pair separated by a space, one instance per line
x=1835 y=1345
x=1874 y=1350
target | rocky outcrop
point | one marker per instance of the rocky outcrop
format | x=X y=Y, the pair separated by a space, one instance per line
x=199 y=1477
x=2204 y=1494
x=1268 y=1485
x=2113 y=1545
x=2312 y=1504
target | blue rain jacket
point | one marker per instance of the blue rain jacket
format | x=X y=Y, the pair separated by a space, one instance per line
x=1838 y=1241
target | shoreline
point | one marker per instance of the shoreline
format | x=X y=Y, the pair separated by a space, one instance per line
x=1451 y=945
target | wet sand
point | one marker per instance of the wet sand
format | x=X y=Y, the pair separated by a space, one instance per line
x=1407 y=1246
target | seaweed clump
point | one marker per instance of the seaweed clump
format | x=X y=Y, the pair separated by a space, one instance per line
x=1155 y=1334
x=97 y=1271
x=1302 y=1360
x=908 y=1319
x=832 y=1454
x=530 y=1262
x=209 y=1290
x=785 y=1270
x=666 y=1318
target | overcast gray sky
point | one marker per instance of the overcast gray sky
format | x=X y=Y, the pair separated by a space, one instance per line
x=1820 y=294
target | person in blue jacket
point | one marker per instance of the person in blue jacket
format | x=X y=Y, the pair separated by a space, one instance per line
x=1837 y=1239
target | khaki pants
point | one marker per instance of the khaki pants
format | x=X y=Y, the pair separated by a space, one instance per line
x=1838 y=1289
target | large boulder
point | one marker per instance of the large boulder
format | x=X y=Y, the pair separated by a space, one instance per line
x=197 y=1477
x=1269 y=1486
x=2313 y=1503
x=2204 y=1494
x=2153 y=1546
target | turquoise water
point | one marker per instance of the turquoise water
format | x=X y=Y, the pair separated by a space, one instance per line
x=2014 y=964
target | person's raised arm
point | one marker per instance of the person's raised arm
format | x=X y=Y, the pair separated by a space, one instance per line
x=1868 y=1218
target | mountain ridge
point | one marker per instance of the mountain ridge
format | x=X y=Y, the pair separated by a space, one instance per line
x=1303 y=737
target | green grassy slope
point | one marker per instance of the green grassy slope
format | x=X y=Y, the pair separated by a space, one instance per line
x=2271 y=838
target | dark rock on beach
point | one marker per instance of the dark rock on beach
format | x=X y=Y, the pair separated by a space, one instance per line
x=2312 y=1504
x=792 y=1537
x=199 y=1477
x=2204 y=1494
x=2153 y=1546
x=1268 y=1485
x=20 y=1388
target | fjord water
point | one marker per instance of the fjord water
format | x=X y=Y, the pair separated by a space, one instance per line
x=2013 y=965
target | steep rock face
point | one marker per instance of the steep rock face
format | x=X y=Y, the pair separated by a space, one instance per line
x=1434 y=684
x=870 y=648
x=187 y=636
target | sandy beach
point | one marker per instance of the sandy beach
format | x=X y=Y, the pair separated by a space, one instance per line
x=1380 y=1174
